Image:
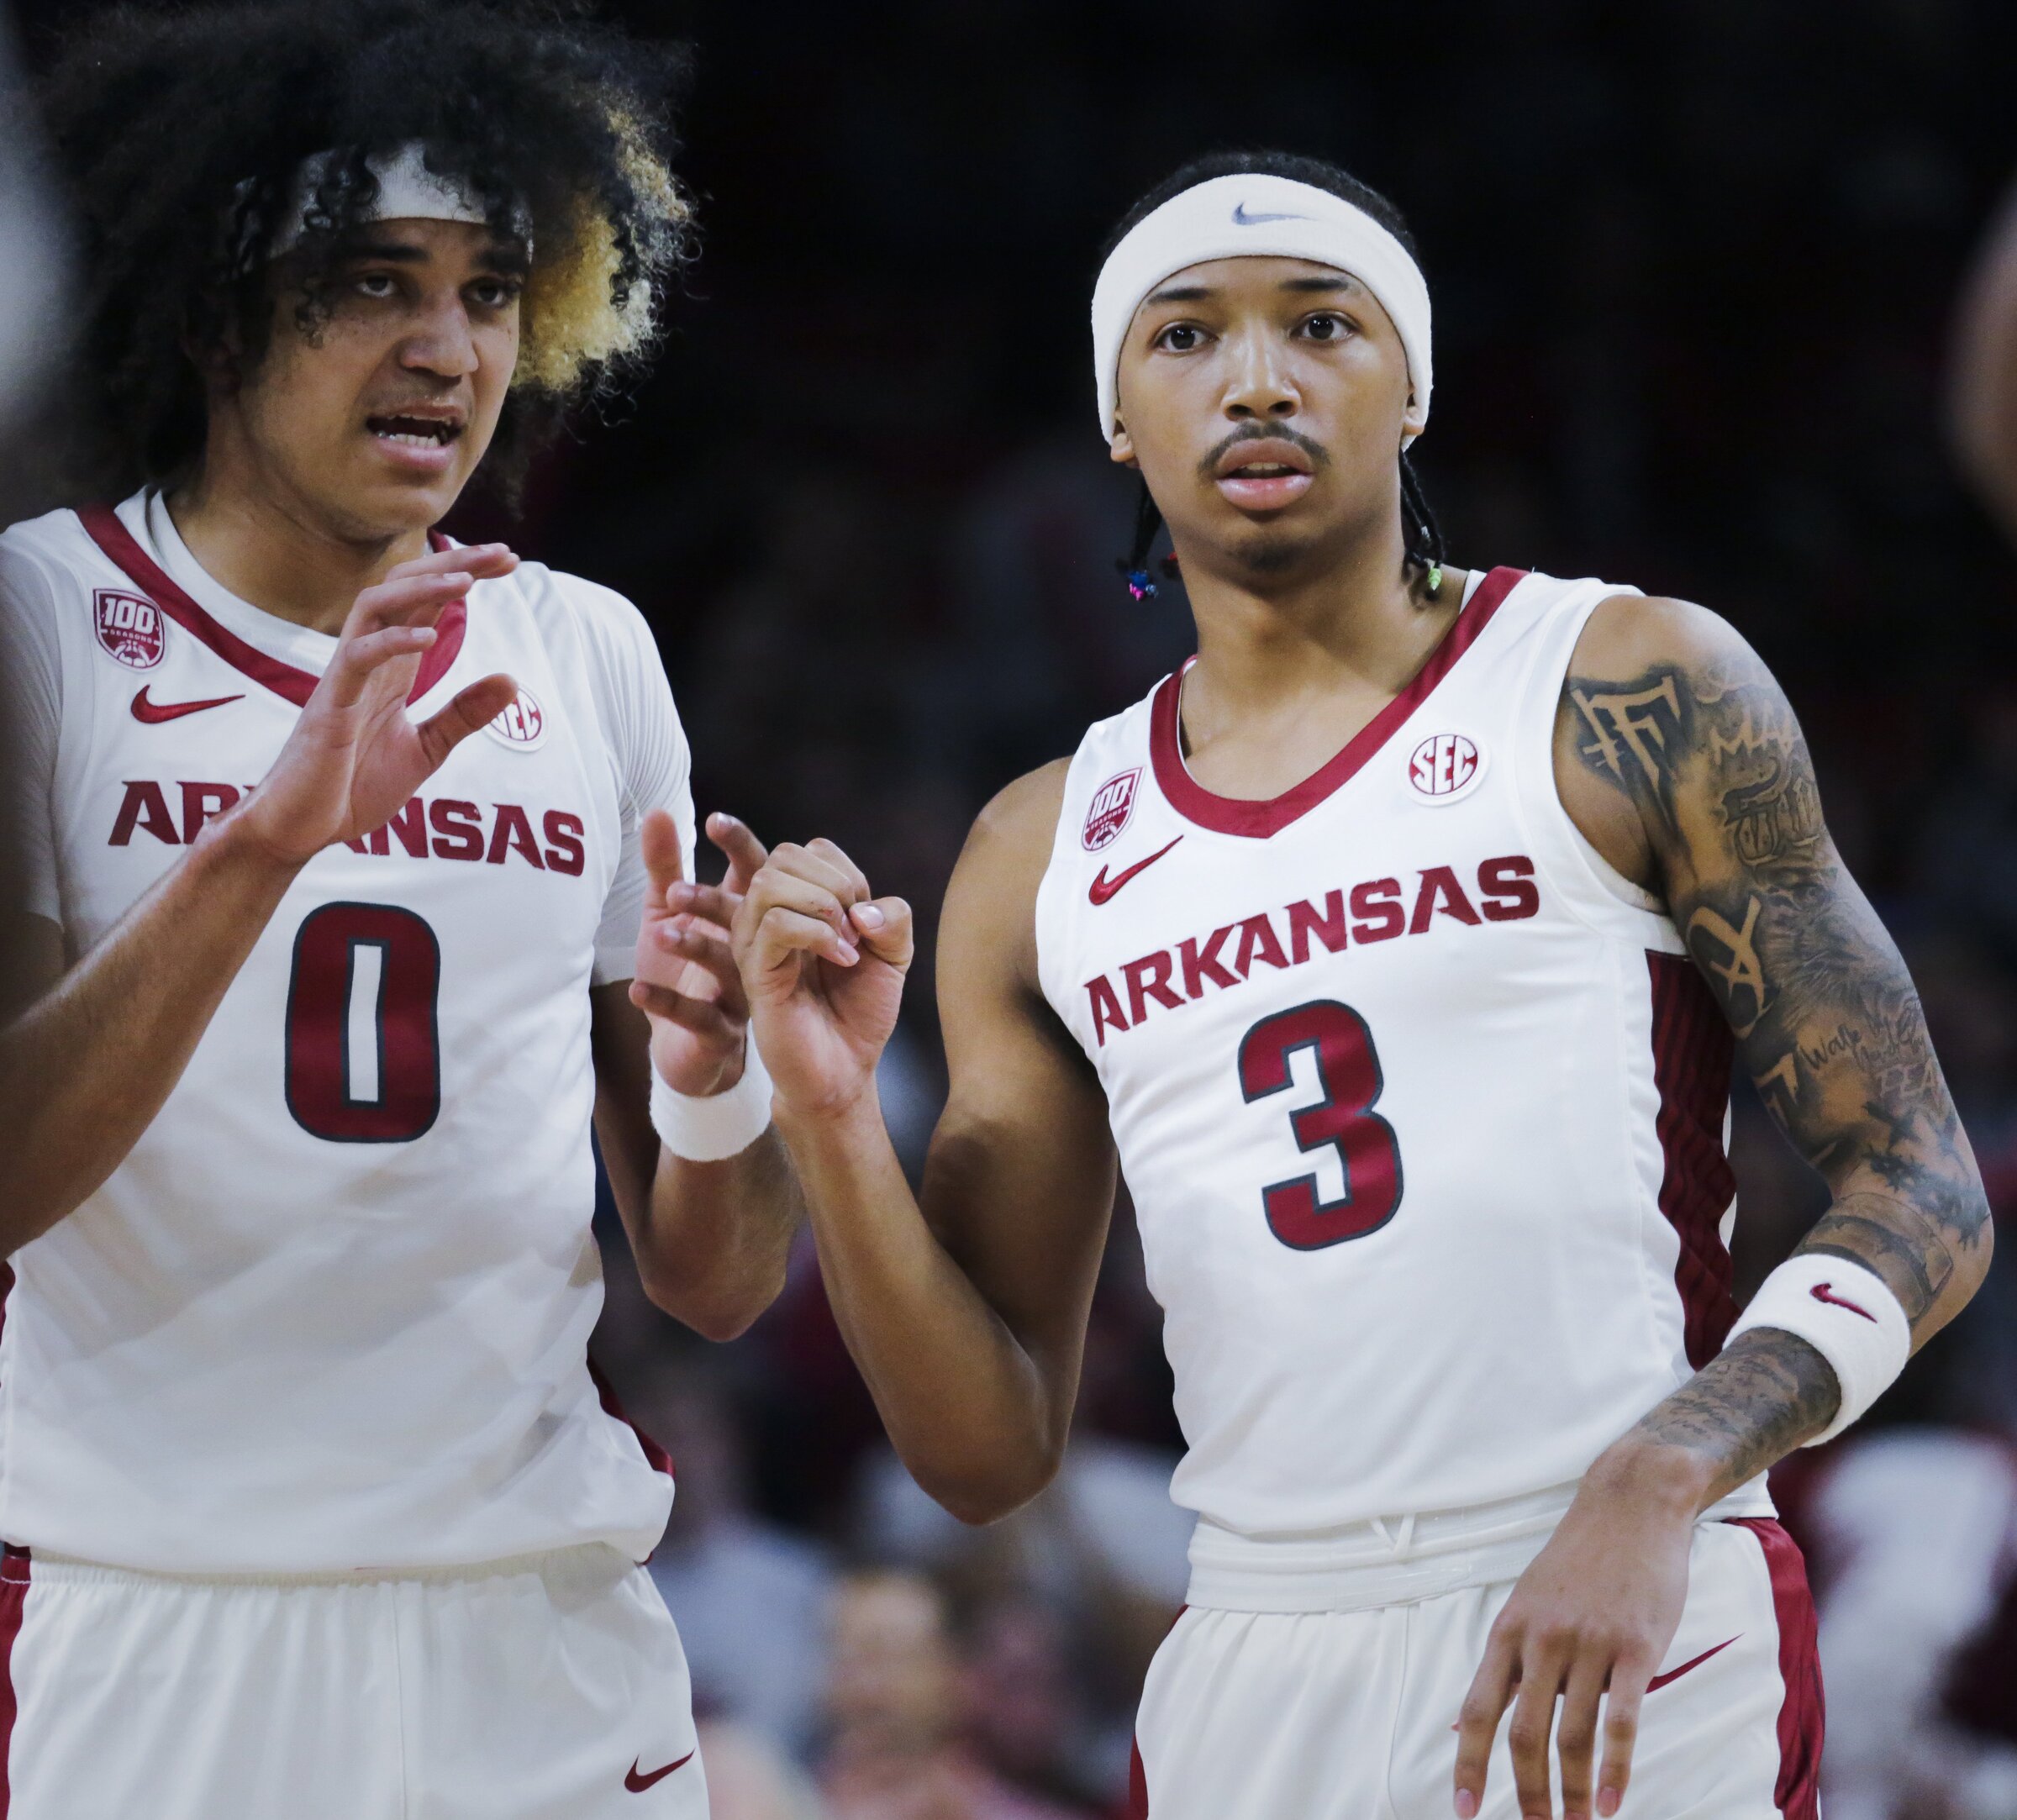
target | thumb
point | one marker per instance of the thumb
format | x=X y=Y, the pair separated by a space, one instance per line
x=738 y=842
x=883 y=926
x=665 y=862
x=474 y=708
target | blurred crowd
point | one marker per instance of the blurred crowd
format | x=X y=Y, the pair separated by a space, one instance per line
x=1694 y=263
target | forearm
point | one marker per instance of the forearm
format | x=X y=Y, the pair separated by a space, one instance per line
x=964 y=1403
x=716 y=1238
x=87 y=1066
x=1746 y=1410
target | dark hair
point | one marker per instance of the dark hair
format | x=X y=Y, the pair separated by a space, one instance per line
x=1421 y=539
x=179 y=135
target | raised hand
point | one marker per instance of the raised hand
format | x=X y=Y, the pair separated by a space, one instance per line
x=823 y=965
x=355 y=756
x=686 y=981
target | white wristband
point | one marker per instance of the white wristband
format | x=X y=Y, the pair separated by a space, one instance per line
x=708 y=1128
x=1847 y=1314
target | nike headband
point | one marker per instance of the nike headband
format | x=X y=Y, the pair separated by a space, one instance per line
x=1255 y=215
x=407 y=190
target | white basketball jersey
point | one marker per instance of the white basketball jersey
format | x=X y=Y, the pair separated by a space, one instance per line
x=332 y=1311
x=1421 y=1105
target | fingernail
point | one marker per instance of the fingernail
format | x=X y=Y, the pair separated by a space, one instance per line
x=1466 y=1805
x=1607 y=1802
x=868 y=916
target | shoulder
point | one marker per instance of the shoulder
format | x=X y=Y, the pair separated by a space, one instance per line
x=40 y=557
x=993 y=894
x=604 y=618
x=1630 y=635
x=1026 y=811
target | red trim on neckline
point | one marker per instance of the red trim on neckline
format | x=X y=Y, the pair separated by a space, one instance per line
x=110 y=533
x=1260 y=817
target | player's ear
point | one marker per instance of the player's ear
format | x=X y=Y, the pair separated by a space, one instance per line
x=1414 y=422
x=1122 y=448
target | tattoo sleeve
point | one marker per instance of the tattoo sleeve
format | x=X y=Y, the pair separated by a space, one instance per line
x=1828 y=1024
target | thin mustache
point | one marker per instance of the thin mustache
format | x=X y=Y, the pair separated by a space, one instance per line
x=1263 y=433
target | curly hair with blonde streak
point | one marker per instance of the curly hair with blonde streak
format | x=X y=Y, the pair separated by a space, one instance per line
x=160 y=119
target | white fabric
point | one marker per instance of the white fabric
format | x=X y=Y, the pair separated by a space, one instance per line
x=1520 y=1307
x=1344 y=1716
x=407 y=190
x=1848 y=1314
x=1253 y=215
x=260 y=1348
x=526 y=1690
x=713 y=1127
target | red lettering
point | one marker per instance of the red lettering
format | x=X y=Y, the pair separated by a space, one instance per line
x=565 y=852
x=373 y=842
x=146 y=809
x=202 y=802
x=1303 y=922
x=1149 y=978
x=1507 y=888
x=513 y=834
x=1376 y=905
x=458 y=829
x=1106 y=1009
x=410 y=825
x=1204 y=964
x=1258 y=942
x=1440 y=890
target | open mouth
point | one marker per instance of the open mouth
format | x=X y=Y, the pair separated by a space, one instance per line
x=1262 y=471
x=414 y=432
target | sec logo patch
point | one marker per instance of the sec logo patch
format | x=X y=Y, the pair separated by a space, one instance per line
x=128 y=628
x=1112 y=804
x=522 y=726
x=1445 y=767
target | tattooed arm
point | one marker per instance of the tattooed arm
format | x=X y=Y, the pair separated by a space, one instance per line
x=1679 y=757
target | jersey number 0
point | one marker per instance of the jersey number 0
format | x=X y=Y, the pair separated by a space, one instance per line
x=364 y=1055
x=1348 y=1071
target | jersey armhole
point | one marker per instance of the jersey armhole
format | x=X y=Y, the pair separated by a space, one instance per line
x=1595 y=892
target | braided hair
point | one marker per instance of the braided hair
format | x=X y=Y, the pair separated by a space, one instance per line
x=1422 y=539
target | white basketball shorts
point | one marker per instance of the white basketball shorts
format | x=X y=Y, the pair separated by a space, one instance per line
x=549 y=1688
x=1350 y=1715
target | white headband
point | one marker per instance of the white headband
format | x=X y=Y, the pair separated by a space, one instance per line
x=1261 y=216
x=407 y=190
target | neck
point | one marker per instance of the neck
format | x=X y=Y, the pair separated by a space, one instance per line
x=1358 y=617
x=259 y=538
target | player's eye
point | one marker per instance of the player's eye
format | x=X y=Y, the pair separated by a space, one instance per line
x=376 y=284
x=494 y=294
x=1326 y=325
x=1180 y=338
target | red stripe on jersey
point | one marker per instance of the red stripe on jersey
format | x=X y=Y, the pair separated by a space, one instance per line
x=658 y=1458
x=1802 y=1719
x=111 y=535
x=13 y=1605
x=1692 y=1053
x=1259 y=818
x=1137 y=1807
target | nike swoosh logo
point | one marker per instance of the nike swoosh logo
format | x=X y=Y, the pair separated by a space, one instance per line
x=638 y=1784
x=1103 y=888
x=1675 y=1674
x=1820 y=1293
x=1242 y=218
x=153 y=714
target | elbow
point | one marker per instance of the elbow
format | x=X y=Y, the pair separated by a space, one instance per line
x=981 y=1494
x=719 y=1311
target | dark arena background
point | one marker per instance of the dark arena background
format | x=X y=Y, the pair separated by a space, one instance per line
x=1696 y=266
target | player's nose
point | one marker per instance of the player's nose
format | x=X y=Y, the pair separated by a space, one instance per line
x=1259 y=379
x=440 y=341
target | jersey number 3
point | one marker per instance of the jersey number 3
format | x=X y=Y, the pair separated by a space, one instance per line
x=364 y=1056
x=1348 y=1071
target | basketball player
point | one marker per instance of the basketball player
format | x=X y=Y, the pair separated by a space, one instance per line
x=358 y=867
x=1399 y=944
